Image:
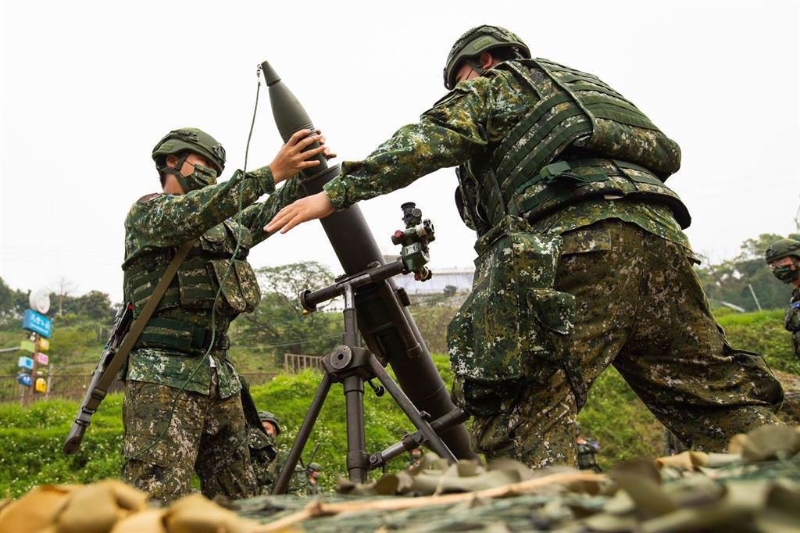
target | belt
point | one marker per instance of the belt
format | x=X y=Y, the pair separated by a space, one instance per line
x=182 y=336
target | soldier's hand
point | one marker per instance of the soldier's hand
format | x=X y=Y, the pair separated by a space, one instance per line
x=302 y=210
x=291 y=158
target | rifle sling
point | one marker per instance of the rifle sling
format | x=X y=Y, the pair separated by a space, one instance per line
x=138 y=325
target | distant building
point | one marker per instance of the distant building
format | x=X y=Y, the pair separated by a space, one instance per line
x=460 y=278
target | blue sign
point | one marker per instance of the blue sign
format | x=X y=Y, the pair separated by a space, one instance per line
x=33 y=321
x=25 y=362
x=25 y=379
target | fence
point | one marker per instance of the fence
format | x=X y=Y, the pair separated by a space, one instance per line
x=296 y=362
x=73 y=387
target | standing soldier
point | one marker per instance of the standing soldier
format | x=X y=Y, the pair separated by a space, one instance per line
x=297 y=483
x=182 y=410
x=783 y=259
x=582 y=261
x=312 y=474
x=586 y=451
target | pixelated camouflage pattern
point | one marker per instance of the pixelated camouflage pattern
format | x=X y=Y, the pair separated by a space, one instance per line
x=618 y=129
x=463 y=127
x=639 y=303
x=640 y=307
x=297 y=483
x=507 y=322
x=791 y=320
x=170 y=433
x=259 y=442
x=162 y=221
x=183 y=411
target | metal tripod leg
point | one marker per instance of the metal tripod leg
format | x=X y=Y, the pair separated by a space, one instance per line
x=411 y=411
x=302 y=435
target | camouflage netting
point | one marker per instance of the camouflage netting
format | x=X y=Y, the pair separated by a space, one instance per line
x=754 y=488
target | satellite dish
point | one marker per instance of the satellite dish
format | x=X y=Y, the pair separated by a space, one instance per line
x=40 y=301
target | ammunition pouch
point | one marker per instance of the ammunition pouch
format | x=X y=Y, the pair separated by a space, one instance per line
x=210 y=269
x=567 y=182
x=175 y=335
x=503 y=335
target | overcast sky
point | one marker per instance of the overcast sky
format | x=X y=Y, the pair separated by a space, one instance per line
x=89 y=87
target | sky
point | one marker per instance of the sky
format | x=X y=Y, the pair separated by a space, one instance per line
x=88 y=87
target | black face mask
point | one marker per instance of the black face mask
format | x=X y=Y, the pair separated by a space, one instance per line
x=786 y=274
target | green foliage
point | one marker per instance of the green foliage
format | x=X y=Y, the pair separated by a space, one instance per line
x=611 y=401
x=31 y=441
x=289 y=398
x=737 y=280
x=762 y=332
x=432 y=319
x=278 y=325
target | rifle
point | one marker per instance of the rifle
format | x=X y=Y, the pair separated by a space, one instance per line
x=311 y=459
x=97 y=391
x=124 y=335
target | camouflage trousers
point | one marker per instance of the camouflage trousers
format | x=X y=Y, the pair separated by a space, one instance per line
x=171 y=433
x=640 y=307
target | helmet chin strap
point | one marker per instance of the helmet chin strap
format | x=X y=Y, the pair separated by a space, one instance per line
x=475 y=65
x=176 y=171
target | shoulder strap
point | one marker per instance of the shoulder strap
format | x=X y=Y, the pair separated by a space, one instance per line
x=138 y=325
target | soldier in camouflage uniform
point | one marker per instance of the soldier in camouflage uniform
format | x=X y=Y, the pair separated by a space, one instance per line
x=182 y=409
x=262 y=448
x=582 y=261
x=312 y=477
x=783 y=258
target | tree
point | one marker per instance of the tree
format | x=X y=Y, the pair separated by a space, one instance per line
x=63 y=288
x=745 y=280
x=279 y=325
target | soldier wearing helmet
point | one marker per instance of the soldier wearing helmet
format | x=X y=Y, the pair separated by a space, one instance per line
x=270 y=423
x=313 y=471
x=183 y=410
x=783 y=258
x=582 y=261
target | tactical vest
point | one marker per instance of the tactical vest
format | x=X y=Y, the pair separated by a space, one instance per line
x=581 y=139
x=209 y=269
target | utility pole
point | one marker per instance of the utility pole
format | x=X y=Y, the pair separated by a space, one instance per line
x=754 y=296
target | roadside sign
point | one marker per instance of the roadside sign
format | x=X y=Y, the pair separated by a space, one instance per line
x=44 y=345
x=38 y=323
x=25 y=362
x=41 y=385
x=27 y=346
x=25 y=379
x=41 y=358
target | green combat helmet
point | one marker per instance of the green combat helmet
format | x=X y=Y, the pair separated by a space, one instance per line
x=266 y=416
x=315 y=467
x=190 y=139
x=782 y=248
x=477 y=40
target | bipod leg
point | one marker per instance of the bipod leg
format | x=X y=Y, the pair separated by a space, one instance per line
x=411 y=411
x=302 y=435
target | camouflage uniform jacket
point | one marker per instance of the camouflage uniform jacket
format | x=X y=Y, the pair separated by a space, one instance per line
x=791 y=320
x=464 y=125
x=298 y=483
x=165 y=221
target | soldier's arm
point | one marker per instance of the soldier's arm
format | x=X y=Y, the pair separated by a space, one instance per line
x=257 y=215
x=168 y=220
x=455 y=129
